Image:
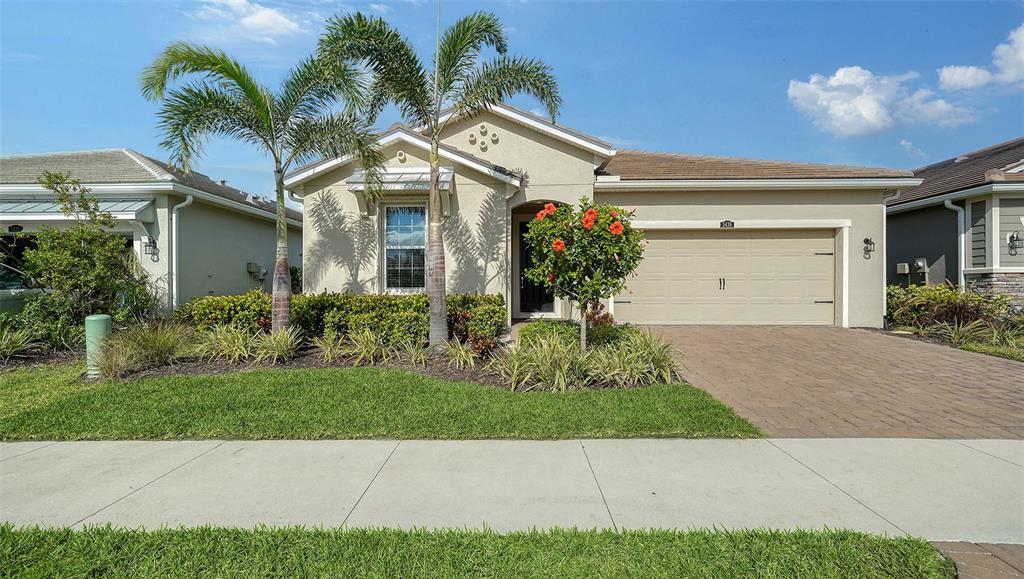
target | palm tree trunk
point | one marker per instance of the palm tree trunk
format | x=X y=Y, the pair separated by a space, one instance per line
x=281 y=303
x=583 y=326
x=435 y=256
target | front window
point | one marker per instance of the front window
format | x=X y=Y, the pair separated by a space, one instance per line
x=405 y=247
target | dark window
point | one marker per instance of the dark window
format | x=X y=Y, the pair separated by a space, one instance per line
x=405 y=246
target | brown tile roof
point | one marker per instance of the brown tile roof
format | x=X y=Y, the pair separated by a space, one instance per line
x=122 y=166
x=966 y=171
x=642 y=165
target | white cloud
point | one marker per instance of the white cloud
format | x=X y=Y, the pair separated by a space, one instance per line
x=242 y=17
x=911 y=149
x=854 y=102
x=1007 y=67
x=382 y=9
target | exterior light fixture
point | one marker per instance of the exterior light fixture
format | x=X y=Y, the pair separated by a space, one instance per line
x=869 y=246
x=149 y=247
x=1014 y=242
x=15 y=228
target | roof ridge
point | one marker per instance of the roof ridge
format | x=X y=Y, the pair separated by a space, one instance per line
x=749 y=159
x=974 y=155
x=149 y=165
x=51 y=153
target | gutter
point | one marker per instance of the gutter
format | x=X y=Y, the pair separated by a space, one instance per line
x=956 y=195
x=761 y=184
x=960 y=240
x=174 y=249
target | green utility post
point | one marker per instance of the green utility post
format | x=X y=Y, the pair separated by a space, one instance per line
x=97 y=328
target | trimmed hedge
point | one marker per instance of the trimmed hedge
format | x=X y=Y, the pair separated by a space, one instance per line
x=475 y=318
x=569 y=332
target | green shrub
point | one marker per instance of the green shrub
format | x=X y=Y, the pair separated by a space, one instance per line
x=226 y=343
x=640 y=359
x=927 y=305
x=331 y=346
x=959 y=333
x=54 y=321
x=460 y=354
x=476 y=318
x=569 y=332
x=15 y=343
x=558 y=365
x=367 y=347
x=279 y=346
x=159 y=343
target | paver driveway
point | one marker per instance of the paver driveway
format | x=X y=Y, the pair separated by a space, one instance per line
x=834 y=382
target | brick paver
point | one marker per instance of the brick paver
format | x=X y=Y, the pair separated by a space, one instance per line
x=985 y=560
x=834 y=382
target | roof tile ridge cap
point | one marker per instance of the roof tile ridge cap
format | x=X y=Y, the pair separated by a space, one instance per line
x=51 y=153
x=148 y=165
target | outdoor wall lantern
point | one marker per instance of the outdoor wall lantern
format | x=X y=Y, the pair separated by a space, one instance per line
x=1014 y=242
x=869 y=247
x=149 y=248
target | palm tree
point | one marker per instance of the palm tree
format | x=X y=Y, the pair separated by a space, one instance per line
x=300 y=122
x=460 y=83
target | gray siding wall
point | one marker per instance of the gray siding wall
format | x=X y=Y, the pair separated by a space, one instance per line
x=978 y=234
x=929 y=232
x=216 y=244
x=1011 y=211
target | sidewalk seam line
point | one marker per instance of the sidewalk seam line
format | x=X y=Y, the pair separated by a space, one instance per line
x=196 y=457
x=370 y=484
x=599 y=489
x=975 y=449
x=841 y=489
x=30 y=451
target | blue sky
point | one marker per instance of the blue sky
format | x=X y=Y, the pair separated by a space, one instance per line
x=896 y=84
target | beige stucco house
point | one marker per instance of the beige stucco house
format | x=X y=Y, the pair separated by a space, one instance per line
x=731 y=241
x=193 y=236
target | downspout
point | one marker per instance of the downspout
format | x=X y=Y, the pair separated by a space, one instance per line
x=960 y=235
x=174 y=249
x=293 y=196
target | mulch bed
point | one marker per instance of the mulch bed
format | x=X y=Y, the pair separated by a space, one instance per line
x=436 y=366
x=30 y=362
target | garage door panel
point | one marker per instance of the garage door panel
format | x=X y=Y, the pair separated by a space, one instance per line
x=771 y=277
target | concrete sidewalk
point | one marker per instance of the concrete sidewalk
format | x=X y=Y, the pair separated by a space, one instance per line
x=970 y=490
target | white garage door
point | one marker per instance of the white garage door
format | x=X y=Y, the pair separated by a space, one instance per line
x=733 y=277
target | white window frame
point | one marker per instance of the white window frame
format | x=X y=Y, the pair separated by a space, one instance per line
x=384 y=246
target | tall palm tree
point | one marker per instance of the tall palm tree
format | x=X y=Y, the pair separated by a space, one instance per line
x=460 y=82
x=301 y=121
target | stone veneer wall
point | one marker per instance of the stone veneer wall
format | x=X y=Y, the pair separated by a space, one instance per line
x=1011 y=284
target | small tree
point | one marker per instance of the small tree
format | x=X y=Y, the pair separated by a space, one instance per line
x=584 y=254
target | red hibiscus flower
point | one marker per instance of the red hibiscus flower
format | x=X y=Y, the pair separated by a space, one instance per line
x=558 y=245
x=549 y=208
x=588 y=223
x=541 y=215
x=592 y=213
x=616 y=228
x=613 y=213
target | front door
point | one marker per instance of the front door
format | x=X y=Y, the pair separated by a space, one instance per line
x=533 y=297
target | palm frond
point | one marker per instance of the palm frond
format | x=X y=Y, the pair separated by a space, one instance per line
x=399 y=74
x=183 y=58
x=335 y=135
x=193 y=113
x=504 y=77
x=315 y=85
x=461 y=44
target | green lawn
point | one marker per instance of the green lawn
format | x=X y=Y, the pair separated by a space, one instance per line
x=51 y=404
x=992 y=350
x=296 y=552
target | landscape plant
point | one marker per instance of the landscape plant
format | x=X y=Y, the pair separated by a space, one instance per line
x=460 y=354
x=366 y=347
x=15 y=343
x=460 y=86
x=277 y=346
x=583 y=254
x=330 y=347
x=86 y=269
x=316 y=113
x=226 y=342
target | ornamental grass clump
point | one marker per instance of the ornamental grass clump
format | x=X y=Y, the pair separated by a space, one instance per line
x=228 y=343
x=159 y=343
x=16 y=343
x=558 y=366
x=278 y=346
x=460 y=354
x=367 y=347
x=330 y=347
x=640 y=359
x=513 y=363
x=413 y=352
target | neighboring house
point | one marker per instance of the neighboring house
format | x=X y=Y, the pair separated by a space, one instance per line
x=731 y=241
x=222 y=241
x=963 y=224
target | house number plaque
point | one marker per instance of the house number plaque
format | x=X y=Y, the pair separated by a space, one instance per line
x=727 y=224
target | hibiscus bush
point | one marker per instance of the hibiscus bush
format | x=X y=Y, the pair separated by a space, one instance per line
x=584 y=253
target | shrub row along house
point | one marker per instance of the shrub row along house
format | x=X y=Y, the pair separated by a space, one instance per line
x=192 y=235
x=964 y=224
x=731 y=241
